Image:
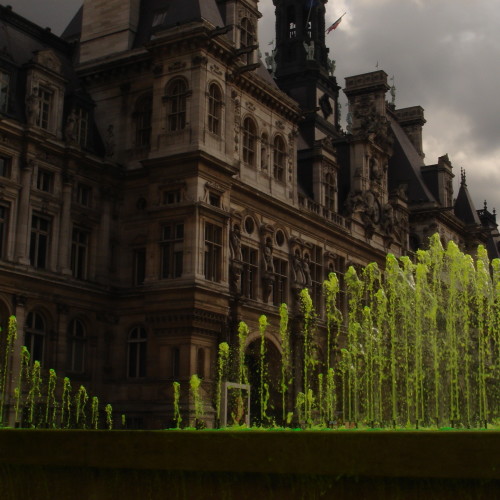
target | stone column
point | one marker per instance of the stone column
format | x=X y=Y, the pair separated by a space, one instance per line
x=65 y=238
x=23 y=218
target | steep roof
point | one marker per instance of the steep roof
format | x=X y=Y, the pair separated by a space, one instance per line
x=405 y=165
x=464 y=207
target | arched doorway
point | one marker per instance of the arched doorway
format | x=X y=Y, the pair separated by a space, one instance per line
x=270 y=398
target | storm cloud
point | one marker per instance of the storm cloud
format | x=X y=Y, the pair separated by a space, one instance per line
x=444 y=55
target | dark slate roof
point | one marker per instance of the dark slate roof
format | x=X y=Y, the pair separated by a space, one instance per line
x=464 y=207
x=74 y=28
x=404 y=167
x=178 y=12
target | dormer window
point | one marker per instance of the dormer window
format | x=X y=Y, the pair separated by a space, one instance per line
x=159 y=18
x=45 y=97
x=247 y=39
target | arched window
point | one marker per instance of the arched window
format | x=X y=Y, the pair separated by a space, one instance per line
x=76 y=346
x=137 y=348
x=142 y=116
x=176 y=105
x=214 y=109
x=34 y=337
x=249 y=139
x=247 y=39
x=330 y=192
x=279 y=157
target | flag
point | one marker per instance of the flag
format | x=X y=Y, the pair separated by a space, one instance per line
x=335 y=24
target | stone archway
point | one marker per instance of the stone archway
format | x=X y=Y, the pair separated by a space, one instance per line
x=272 y=367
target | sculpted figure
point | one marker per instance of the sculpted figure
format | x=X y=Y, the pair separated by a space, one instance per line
x=235 y=243
x=32 y=107
x=298 y=272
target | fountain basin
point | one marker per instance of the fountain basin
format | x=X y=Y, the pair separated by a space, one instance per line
x=242 y=464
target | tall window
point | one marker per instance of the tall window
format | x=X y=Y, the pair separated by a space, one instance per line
x=4 y=217
x=247 y=39
x=176 y=362
x=315 y=263
x=45 y=97
x=34 y=336
x=39 y=242
x=82 y=126
x=249 y=140
x=137 y=349
x=214 y=109
x=330 y=192
x=4 y=91
x=172 y=244
x=139 y=257
x=279 y=156
x=79 y=253
x=83 y=194
x=291 y=22
x=249 y=272
x=142 y=116
x=5 y=166
x=176 y=105
x=213 y=252
x=280 y=282
x=76 y=346
x=45 y=180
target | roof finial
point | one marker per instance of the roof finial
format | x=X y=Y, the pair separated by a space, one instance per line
x=462 y=174
x=485 y=205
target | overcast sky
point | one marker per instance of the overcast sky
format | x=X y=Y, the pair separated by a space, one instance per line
x=443 y=54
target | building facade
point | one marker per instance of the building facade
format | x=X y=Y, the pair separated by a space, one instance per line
x=159 y=183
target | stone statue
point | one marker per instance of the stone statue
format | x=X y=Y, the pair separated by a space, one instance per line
x=309 y=50
x=349 y=122
x=307 y=270
x=70 y=127
x=270 y=62
x=297 y=271
x=331 y=66
x=32 y=107
x=268 y=256
x=109 y=142
x=235 y=243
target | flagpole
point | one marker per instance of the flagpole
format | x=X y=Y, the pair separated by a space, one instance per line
x=311 y=2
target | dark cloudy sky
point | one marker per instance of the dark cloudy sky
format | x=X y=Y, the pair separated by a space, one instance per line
x=443 y=54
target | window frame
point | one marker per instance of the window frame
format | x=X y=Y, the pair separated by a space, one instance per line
x=213 y=244
x=143 y=115
x=5 y=84
x=215 y=109
x=249 y=141
x=137 y=350
x=279 y=158
x=77 y=340
x=176 y=94
x=80 y=252
x=172 y=250
x=40 y=240
x=34 y=337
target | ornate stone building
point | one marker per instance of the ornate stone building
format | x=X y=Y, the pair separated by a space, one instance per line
x=159 y=183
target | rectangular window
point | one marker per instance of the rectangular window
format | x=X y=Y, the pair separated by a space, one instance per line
x=45 y=105
x=249 y=272
x=172 y=245
x=280 y=282
x=214 y=199
x=79 y=253
x=4 y=217
x=39 y=241
x=83 y=193
x=5 y=166
x=213 y=252
x=171 y=197
x=139 y=266
x=45 y=180
x=4 y=91
x=317 y=278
